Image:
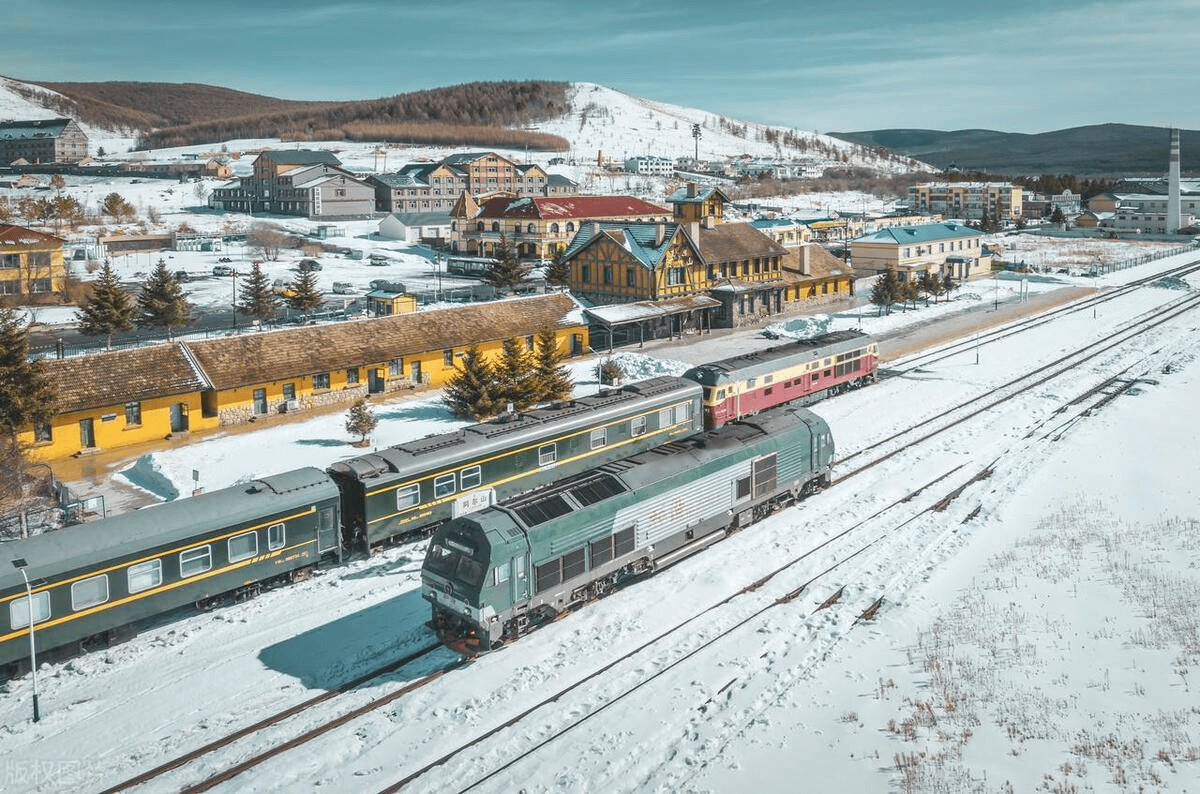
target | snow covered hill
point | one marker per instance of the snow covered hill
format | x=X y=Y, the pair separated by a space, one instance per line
x=602 y=122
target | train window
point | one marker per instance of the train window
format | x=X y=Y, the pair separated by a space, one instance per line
x=683 y=412
x=751 y=383
x=243 y=546
x=637 y=427
x=18 y=610
x=664 y=417
x=89 y=592
x=720 y=394
x=767 y=392
x=547 y=454
x=144 y=575
x=519 y=567
x=599 y=437
x=470 y=478
x=276 y=536
x=767 y=379
x=408 y=496
x=443 y=485
x=194 y=561
x=501 y=573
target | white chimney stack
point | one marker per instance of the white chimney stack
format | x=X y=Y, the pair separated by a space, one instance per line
x=1173 y=200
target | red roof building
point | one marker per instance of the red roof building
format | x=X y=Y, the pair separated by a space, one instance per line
x=539 y=227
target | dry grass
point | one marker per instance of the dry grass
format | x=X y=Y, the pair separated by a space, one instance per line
x=998 y=667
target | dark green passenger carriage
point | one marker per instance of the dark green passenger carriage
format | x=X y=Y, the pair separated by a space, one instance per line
x=408 y=489
x=93 y=578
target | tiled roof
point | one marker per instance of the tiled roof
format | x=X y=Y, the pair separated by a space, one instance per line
x=903 y=235
x=38 y=128
x=19 y=235
x=301 y=157
x=726 y=242
x=569 y=207
x=681 y=196
x=122 y=376
x=278 y=355
x=636 y=238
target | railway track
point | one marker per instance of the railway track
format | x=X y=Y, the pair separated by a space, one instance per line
x=279 y=717
x=921 y=360
x=1082 y=404
x=1004 y=392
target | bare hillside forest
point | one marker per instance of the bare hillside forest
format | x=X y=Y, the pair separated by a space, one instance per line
x=181 y=114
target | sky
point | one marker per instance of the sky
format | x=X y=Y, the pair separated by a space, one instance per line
x=1018 y=66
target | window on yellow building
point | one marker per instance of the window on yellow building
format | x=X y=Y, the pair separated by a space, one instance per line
x=448 y=357
x=630 y=277
x=133 y=414
x=352 y=375
x=585 y=273
x=321 y=380
x=608 y=274
x=42 y=432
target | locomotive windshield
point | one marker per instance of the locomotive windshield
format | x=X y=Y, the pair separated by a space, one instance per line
x=454 y=561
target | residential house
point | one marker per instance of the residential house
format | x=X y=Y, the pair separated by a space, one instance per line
x=648 y=165
x=308 y=183
x=937 y=248
x=787 y=232
x=42 y=141
x=434 y=187
x=538 y=227
x=416 y=227
x=31 y=262
x=968 y=200
x=117 y=399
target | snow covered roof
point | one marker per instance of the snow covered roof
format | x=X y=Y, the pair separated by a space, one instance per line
x=568 y=207
x=636 y=238
x=681 y=196
x=920 y=234
x=623 y=313
x=38 y=128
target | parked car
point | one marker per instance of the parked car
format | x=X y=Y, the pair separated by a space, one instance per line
x=223 y=270
x=387 y=286
x=182 y=276
x=343 y=288
x=225 y=260
x=379 y=259
x=309 y=264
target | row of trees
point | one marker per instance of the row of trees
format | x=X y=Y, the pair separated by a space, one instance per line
x=509 y=271
x=61 y=209
x=889 y=290
x=519 y=378
x=161 y=303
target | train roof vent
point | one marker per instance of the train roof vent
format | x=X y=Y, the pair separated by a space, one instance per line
x=597 y=488
x=542 y=509
x=494 y=429
x=423 y=446
x=652 y=386
x=293 y=480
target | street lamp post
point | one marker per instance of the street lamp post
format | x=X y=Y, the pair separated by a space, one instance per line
x=233 y=283
x=437 y=262
x=20 y=564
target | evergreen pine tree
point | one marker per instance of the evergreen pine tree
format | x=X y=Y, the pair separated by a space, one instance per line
x=360 y=420
x=108 y=310
x=884 y=291
x=471 y=391
x=162 y=303
x=257 y=299
x=27 y=393
x=551 y=380
x=306 y=296
x=508 y=271
x=558 y=274
x=514 y=376
x=948 y=285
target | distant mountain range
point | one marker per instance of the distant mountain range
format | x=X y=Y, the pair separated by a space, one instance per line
x=1100 y=150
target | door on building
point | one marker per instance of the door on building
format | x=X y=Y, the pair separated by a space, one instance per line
x=179 y=417
x=260 y=401
x=375 y=381
x=414 y=370
x=87 y=433
x=576 y=344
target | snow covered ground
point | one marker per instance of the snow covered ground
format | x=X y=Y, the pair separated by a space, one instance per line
x=1046 y=643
